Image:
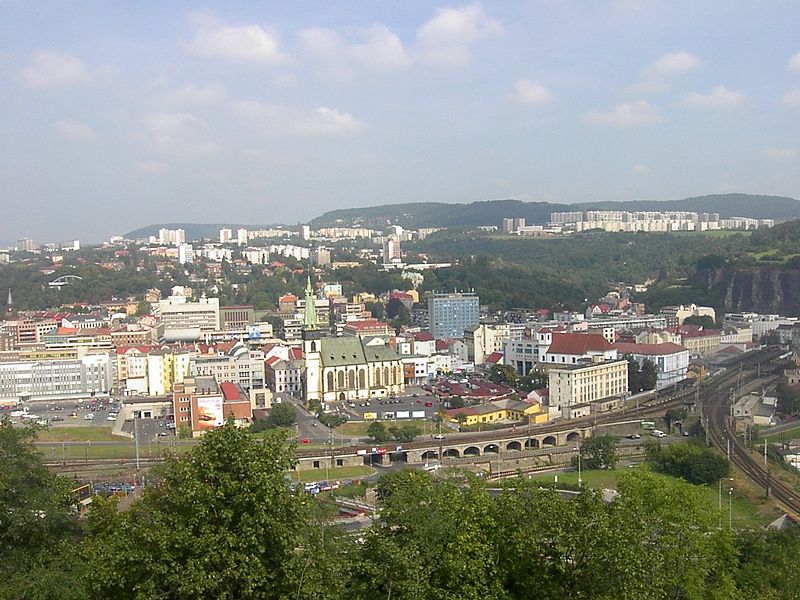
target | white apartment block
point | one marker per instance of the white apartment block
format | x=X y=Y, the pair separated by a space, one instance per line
x=581 y=384
x=189 y=320
x=83 y=377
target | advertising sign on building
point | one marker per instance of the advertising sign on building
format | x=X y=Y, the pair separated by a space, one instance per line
x=254 y=332
x=209 y=412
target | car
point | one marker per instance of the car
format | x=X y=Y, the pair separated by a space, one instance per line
x=88 y=417
x=414 y=395
x=686 y=434
x=438 y=436
x=633 y=436
x=161 y=423
x=429 y=404
x=111 y=418
x=57 y=418
x=73 y=415
x=657 y=433
x=163 y=434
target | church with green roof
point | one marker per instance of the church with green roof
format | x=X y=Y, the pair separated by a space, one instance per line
x=345 y=369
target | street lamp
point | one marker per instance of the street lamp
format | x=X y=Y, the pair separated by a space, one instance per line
x=720 y=497
x=580 y=479
x=730 y=508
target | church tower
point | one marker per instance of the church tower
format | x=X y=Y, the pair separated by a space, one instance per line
x=312 y=338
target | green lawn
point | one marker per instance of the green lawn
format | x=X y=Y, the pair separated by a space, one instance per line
x=334 y=474
x=746 y=511
x=786 y=435
x=76 y=433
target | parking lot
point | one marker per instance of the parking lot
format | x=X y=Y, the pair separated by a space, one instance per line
x=76 y=413
x=415 y=403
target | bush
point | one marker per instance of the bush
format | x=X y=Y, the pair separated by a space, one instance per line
x=693 y=462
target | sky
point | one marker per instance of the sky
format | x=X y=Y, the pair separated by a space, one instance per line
x=116 y=115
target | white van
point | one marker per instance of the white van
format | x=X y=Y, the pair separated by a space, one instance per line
x=658 y=433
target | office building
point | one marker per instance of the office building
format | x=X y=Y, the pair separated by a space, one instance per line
x=449 y=315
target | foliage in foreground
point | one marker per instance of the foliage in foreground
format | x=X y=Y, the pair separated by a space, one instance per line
x=222 y=523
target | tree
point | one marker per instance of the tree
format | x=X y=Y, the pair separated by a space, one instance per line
x=505 y=374
x=704 y=321
x=456 y=402
x=377 y=309
x=405 y=433
x=142 y=308
x=377 y=432
x=649 y=375
x=283 y=414
x=693 y=462
x=674 y=415
x=221 y=523
x=536 y=379
x=39 y=531
x=634 y=375
x=599 y=452
x=788 y=399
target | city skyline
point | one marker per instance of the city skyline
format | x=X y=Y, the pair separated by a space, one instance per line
x=118 y=117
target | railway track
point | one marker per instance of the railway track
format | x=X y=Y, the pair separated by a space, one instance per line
x=721 y=433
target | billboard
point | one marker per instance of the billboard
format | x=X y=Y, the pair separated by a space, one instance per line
x=418 y=414
x=370 y=416
x=209 y=412
x=403 y=414
x=254 y=332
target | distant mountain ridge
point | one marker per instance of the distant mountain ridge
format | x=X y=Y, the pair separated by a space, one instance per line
x=492 y=212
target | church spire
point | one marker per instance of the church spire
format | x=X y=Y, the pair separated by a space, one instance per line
x=310 y=320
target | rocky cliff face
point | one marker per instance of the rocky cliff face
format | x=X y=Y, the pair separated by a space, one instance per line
x=758 y=290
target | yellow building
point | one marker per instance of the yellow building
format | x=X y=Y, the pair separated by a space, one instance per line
x=498 y=411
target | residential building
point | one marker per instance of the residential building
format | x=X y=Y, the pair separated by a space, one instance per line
x=188 y=321
x=225 y=236
x=232 y=362
x=451 y=314
x=676 y=315
x=701 y=342
x=572 y=348
x=583 y=383
x=671 y=360
x=284 y=375
x=202 y=404
x=366 y=328
x=486 y=338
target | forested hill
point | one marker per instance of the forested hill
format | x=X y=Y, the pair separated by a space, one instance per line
x=492 y=212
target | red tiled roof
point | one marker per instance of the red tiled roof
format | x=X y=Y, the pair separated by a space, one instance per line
x=441 y=345
x=494 y=357
x=272 y=360
x=126 y=349
x=366 y=324
x=295 y=353
x=650 y=349
x=423 y=336
x=230 y=391
x=67 y=330
x=578 y=343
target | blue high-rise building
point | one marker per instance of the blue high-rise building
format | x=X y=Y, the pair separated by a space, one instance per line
x=450 y=314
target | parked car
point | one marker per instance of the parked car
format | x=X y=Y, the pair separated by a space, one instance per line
x=88 y=417
x=633 y=436
x=57 y=418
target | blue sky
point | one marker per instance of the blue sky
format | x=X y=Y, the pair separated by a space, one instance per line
x=117 y=115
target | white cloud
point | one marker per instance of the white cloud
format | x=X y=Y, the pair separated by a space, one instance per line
x=252 y=43
x=718 y=97
x=628 y=114
x=75 y=130
x=325 y=121
x=279 y=120
x=50 y=69
x=376 y=47
x=531 y=92
x=779 y=153
x=178 y=134
x=640 y=169
x=792 y=97
x=674 y=63
x=648 y=87
x=794 y=62
x=190 y=96
x=446 y=38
